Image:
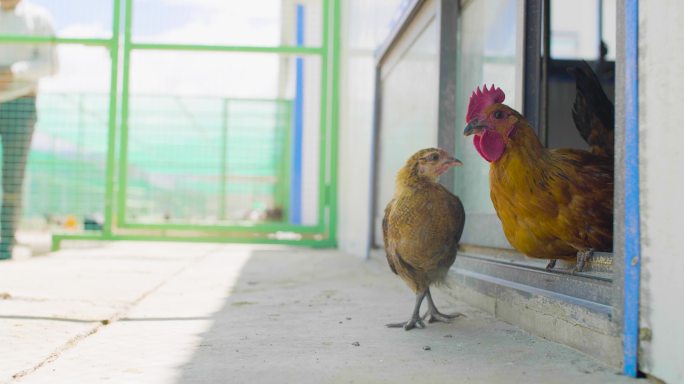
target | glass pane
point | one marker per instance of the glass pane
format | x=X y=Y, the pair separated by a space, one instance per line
x=213 y=146
x=486 y=54
x=577 y=22
x=579 y=28
x=575 y=29
x=409 y=112
x=229 y=22
x=370 y=22
x=609 y=28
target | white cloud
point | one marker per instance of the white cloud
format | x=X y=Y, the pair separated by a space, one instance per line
x=224 y=22
x=86 y=69
x=205 y=74
x=81 y=69
x=90 y=30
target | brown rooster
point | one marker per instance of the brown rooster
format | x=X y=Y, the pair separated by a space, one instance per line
x=552 y=203
x=421 y=228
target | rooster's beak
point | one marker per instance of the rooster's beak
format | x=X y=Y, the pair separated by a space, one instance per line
x=474 y=127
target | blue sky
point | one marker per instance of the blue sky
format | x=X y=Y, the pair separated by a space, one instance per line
x=238 y=22
x=99 y=12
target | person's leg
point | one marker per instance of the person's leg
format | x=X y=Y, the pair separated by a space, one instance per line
x=18 y=121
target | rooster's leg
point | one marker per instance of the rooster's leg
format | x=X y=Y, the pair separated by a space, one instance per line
x=582 y=257
x=415 y=320
x=551 y=264
x=433 y=314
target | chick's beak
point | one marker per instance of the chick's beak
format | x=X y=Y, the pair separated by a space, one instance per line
x=453 y=162
x=474 y=127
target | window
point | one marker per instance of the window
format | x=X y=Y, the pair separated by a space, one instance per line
x=493 y=50
x=486 y=53
x=409 y=108
x=504 y=42
x=583 y=30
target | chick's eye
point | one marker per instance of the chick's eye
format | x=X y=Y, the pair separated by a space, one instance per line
x=498 y=115
x=434 y=157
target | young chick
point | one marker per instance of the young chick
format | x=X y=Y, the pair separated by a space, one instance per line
x=422 y=226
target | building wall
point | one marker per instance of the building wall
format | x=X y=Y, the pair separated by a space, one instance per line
x=661 y=65
x=364 y=26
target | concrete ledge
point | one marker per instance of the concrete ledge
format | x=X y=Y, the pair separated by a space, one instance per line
x=587 y=328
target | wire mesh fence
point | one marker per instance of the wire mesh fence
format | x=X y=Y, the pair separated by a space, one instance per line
x=67 y=163
x=207 y=160
x=191 y=160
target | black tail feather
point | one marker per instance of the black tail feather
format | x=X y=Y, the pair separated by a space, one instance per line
x=593 y=112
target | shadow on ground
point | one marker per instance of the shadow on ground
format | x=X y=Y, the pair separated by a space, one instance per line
x=318 y=317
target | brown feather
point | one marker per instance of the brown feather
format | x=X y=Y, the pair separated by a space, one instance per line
x=552 y=203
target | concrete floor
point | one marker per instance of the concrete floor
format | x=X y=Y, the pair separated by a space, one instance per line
x=204 y=313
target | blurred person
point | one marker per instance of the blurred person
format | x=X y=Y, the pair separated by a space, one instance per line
x=21 y=67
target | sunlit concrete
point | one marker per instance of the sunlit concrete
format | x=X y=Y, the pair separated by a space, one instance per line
x=203 y=313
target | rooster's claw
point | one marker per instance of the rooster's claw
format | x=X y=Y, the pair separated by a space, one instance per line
x=582 y=258
x=551 y=264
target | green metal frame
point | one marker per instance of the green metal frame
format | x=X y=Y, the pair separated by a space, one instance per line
x=115 y=227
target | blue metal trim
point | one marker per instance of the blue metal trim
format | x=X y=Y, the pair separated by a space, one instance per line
x=632 y=216
x=298 y=125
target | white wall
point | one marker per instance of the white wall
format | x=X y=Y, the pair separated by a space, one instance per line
x=364 y=26
x=661 y=158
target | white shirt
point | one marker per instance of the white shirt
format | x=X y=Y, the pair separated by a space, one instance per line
x=28 y=62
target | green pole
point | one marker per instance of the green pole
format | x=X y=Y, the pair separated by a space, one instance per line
x=80 y=155
x=111 y=124
x=224 y=160
x=324 y=117
x=286 y=164
x=125 y=102
x=332 y=190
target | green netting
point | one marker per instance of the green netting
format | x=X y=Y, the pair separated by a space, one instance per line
x=66 y=167
x=206 y=159
x=190 y=159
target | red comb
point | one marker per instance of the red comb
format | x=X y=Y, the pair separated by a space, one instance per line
x=482 y=99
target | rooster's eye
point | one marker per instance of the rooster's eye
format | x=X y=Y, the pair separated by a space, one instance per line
x=498 y=115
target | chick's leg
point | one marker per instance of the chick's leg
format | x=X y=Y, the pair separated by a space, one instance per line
x=433 y=314
x=415 y=320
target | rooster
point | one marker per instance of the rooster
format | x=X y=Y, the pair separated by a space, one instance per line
x=552 y=203
x=421 y=229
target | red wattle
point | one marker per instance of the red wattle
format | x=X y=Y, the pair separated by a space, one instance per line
x=490 y=145
x=476 y=143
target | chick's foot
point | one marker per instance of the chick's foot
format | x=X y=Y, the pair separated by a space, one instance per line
x=409 y=325
x=415 y=317
x=433 y=314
